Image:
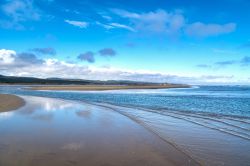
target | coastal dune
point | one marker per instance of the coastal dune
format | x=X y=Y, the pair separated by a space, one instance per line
x=10 y=102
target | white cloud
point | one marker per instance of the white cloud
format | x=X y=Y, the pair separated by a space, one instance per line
x=7 y=56
x=199 y=29
x=80 y=24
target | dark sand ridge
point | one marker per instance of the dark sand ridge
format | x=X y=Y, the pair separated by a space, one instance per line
x=105 y=87
x=10 y=102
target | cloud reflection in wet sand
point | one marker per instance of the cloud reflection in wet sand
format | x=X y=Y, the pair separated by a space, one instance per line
x=74 y=146
x=43 y=117
x=5 y=115
x=43 y=108
x=84 y=114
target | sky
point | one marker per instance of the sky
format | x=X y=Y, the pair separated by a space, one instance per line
x=176 y=41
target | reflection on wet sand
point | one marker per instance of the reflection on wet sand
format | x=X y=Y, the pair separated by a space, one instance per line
x=54 y=132
x=44 y=117
x=4 y=115
x=74 y=146
x=194 y=134
x=84 y=114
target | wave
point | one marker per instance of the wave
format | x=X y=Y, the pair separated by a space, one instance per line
x=232 y=125
x=188 y=132
x=166 y=124
x=148 y=127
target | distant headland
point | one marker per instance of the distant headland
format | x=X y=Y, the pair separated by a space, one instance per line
x=81 y=84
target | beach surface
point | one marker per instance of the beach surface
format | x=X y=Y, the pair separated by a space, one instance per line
x=55 y=132
x=10 y=102
x=105 y=87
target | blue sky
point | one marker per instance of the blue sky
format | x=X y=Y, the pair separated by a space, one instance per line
x=192 y=41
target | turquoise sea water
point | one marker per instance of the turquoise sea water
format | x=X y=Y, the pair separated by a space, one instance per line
x=213 y=100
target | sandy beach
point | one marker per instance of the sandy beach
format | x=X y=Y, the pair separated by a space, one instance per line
x=56 y=132
x=105 y=87
x=10 y=102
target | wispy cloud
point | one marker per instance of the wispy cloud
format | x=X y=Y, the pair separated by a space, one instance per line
x=245 y=61
x=106 y=26
x=223 y=51
x=199 y=29
x=107 y=17
x=125 y=14
x=203 y=66
x=46 y=51
x=217 y=77
x=159 y=21
x=122 y=26
x=226 y=63
x=113 y=25
x=18 y=11
x=172 y=23
x=80 y=24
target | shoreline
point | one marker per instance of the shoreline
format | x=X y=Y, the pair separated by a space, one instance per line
x=10 y=102
x=104 y=87
x=104 y=120
x=196 y=147
x=126 y=144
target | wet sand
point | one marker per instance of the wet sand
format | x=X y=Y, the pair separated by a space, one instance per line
x=105 y=87
x=55 y=132
x=210 y=140
x=10 y=102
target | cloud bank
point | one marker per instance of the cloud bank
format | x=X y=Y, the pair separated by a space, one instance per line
x=20 y=64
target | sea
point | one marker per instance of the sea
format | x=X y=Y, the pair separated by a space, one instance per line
x=211 y=100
